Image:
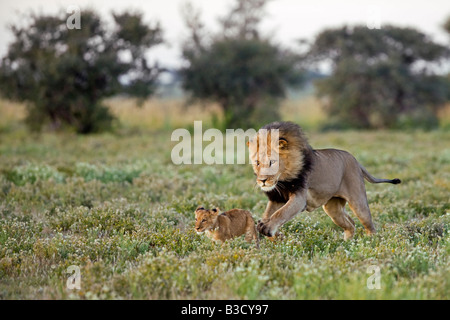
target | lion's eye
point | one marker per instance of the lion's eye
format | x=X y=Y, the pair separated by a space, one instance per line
x=257 y=163
x=272 y=162
x=204 y=220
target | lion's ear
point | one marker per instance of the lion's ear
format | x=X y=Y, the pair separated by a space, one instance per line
x=282 y=143
x=216 y=210
x=200 y=208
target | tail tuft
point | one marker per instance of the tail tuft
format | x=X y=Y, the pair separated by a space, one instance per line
x=396 y=181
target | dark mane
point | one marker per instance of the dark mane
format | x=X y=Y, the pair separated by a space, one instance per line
x=285 y=188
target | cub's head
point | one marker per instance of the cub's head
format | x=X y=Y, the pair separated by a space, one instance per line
x=205 y=219
x=276 y=153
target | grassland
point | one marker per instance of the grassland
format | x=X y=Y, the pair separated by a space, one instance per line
x=115 y=205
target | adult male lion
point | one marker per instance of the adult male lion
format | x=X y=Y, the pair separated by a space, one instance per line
x=303 y=178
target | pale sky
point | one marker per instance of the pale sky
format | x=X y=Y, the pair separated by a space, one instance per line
x=287 y=20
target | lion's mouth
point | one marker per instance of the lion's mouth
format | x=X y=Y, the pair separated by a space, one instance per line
x=268 y=188
x=198 y=231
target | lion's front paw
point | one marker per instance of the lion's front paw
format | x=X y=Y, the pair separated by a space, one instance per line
x=277 y=237
x=264 y=229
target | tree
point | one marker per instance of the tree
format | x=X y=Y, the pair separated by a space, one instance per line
x=64 y=74
x=237 y=67
x=380 y=77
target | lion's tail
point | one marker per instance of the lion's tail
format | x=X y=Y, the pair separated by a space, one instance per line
x=372 y=179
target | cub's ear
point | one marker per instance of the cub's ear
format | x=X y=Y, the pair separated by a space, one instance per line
x=200 y=208
x=282 y=143
x=215 y=210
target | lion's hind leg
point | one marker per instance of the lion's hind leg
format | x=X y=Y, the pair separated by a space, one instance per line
x=335 y=209
x=361 y=209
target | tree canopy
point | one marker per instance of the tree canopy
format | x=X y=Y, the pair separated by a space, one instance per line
x=380 y=77
x=245 y=72
x=63 y=74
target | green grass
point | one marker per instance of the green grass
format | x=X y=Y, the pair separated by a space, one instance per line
x=115 y=206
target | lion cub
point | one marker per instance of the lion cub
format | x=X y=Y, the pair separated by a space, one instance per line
x=226 y=225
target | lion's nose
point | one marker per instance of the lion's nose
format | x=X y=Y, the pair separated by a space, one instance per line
x=263 y=180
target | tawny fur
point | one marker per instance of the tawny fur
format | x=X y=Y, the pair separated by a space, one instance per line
x=304 y=179
x=227 y=225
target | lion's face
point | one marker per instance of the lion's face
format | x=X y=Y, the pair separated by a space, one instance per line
x=205 y=219
x=269 y=160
